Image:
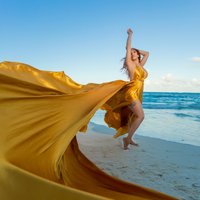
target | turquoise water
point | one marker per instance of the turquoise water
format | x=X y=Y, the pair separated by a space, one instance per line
x=169 y=116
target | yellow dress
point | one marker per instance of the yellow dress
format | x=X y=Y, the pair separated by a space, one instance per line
x=118 y=115
x=41 y=113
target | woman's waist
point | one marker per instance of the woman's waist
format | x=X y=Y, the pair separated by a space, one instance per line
x=137 y=80
x=135 y=84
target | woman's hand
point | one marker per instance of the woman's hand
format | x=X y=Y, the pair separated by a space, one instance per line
x=129 y=31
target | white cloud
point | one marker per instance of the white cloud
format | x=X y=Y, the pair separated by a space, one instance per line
x=168 y=77
x=196 y=59
x=168 y=83
x=195 y=82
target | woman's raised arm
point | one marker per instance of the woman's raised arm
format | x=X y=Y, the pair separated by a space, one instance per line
x=128 y=47
x=145 y=55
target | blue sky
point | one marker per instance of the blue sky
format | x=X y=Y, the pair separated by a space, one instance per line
x=86 y=38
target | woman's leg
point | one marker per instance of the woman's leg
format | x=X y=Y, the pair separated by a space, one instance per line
x=136 y=108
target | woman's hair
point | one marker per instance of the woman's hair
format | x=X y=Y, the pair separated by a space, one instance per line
x=125 y=65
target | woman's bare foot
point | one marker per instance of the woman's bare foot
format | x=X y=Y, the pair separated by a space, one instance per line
x=134 y=143
x=126 y=143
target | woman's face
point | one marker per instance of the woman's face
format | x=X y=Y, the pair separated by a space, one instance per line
x=134 y=54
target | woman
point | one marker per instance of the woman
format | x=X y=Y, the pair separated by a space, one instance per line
x=124 y=109
x=132 y=62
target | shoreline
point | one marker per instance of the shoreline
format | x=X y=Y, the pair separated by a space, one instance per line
x=169 y=167
x=103 y=129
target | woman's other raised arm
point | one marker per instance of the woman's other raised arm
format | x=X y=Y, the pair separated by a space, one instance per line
x=145 y=55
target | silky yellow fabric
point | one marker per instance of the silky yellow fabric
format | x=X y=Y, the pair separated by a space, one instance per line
x=41 y=113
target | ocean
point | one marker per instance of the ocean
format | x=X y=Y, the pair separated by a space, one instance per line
x=170 y=116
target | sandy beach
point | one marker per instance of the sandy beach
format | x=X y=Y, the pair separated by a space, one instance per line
x=169 y=167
